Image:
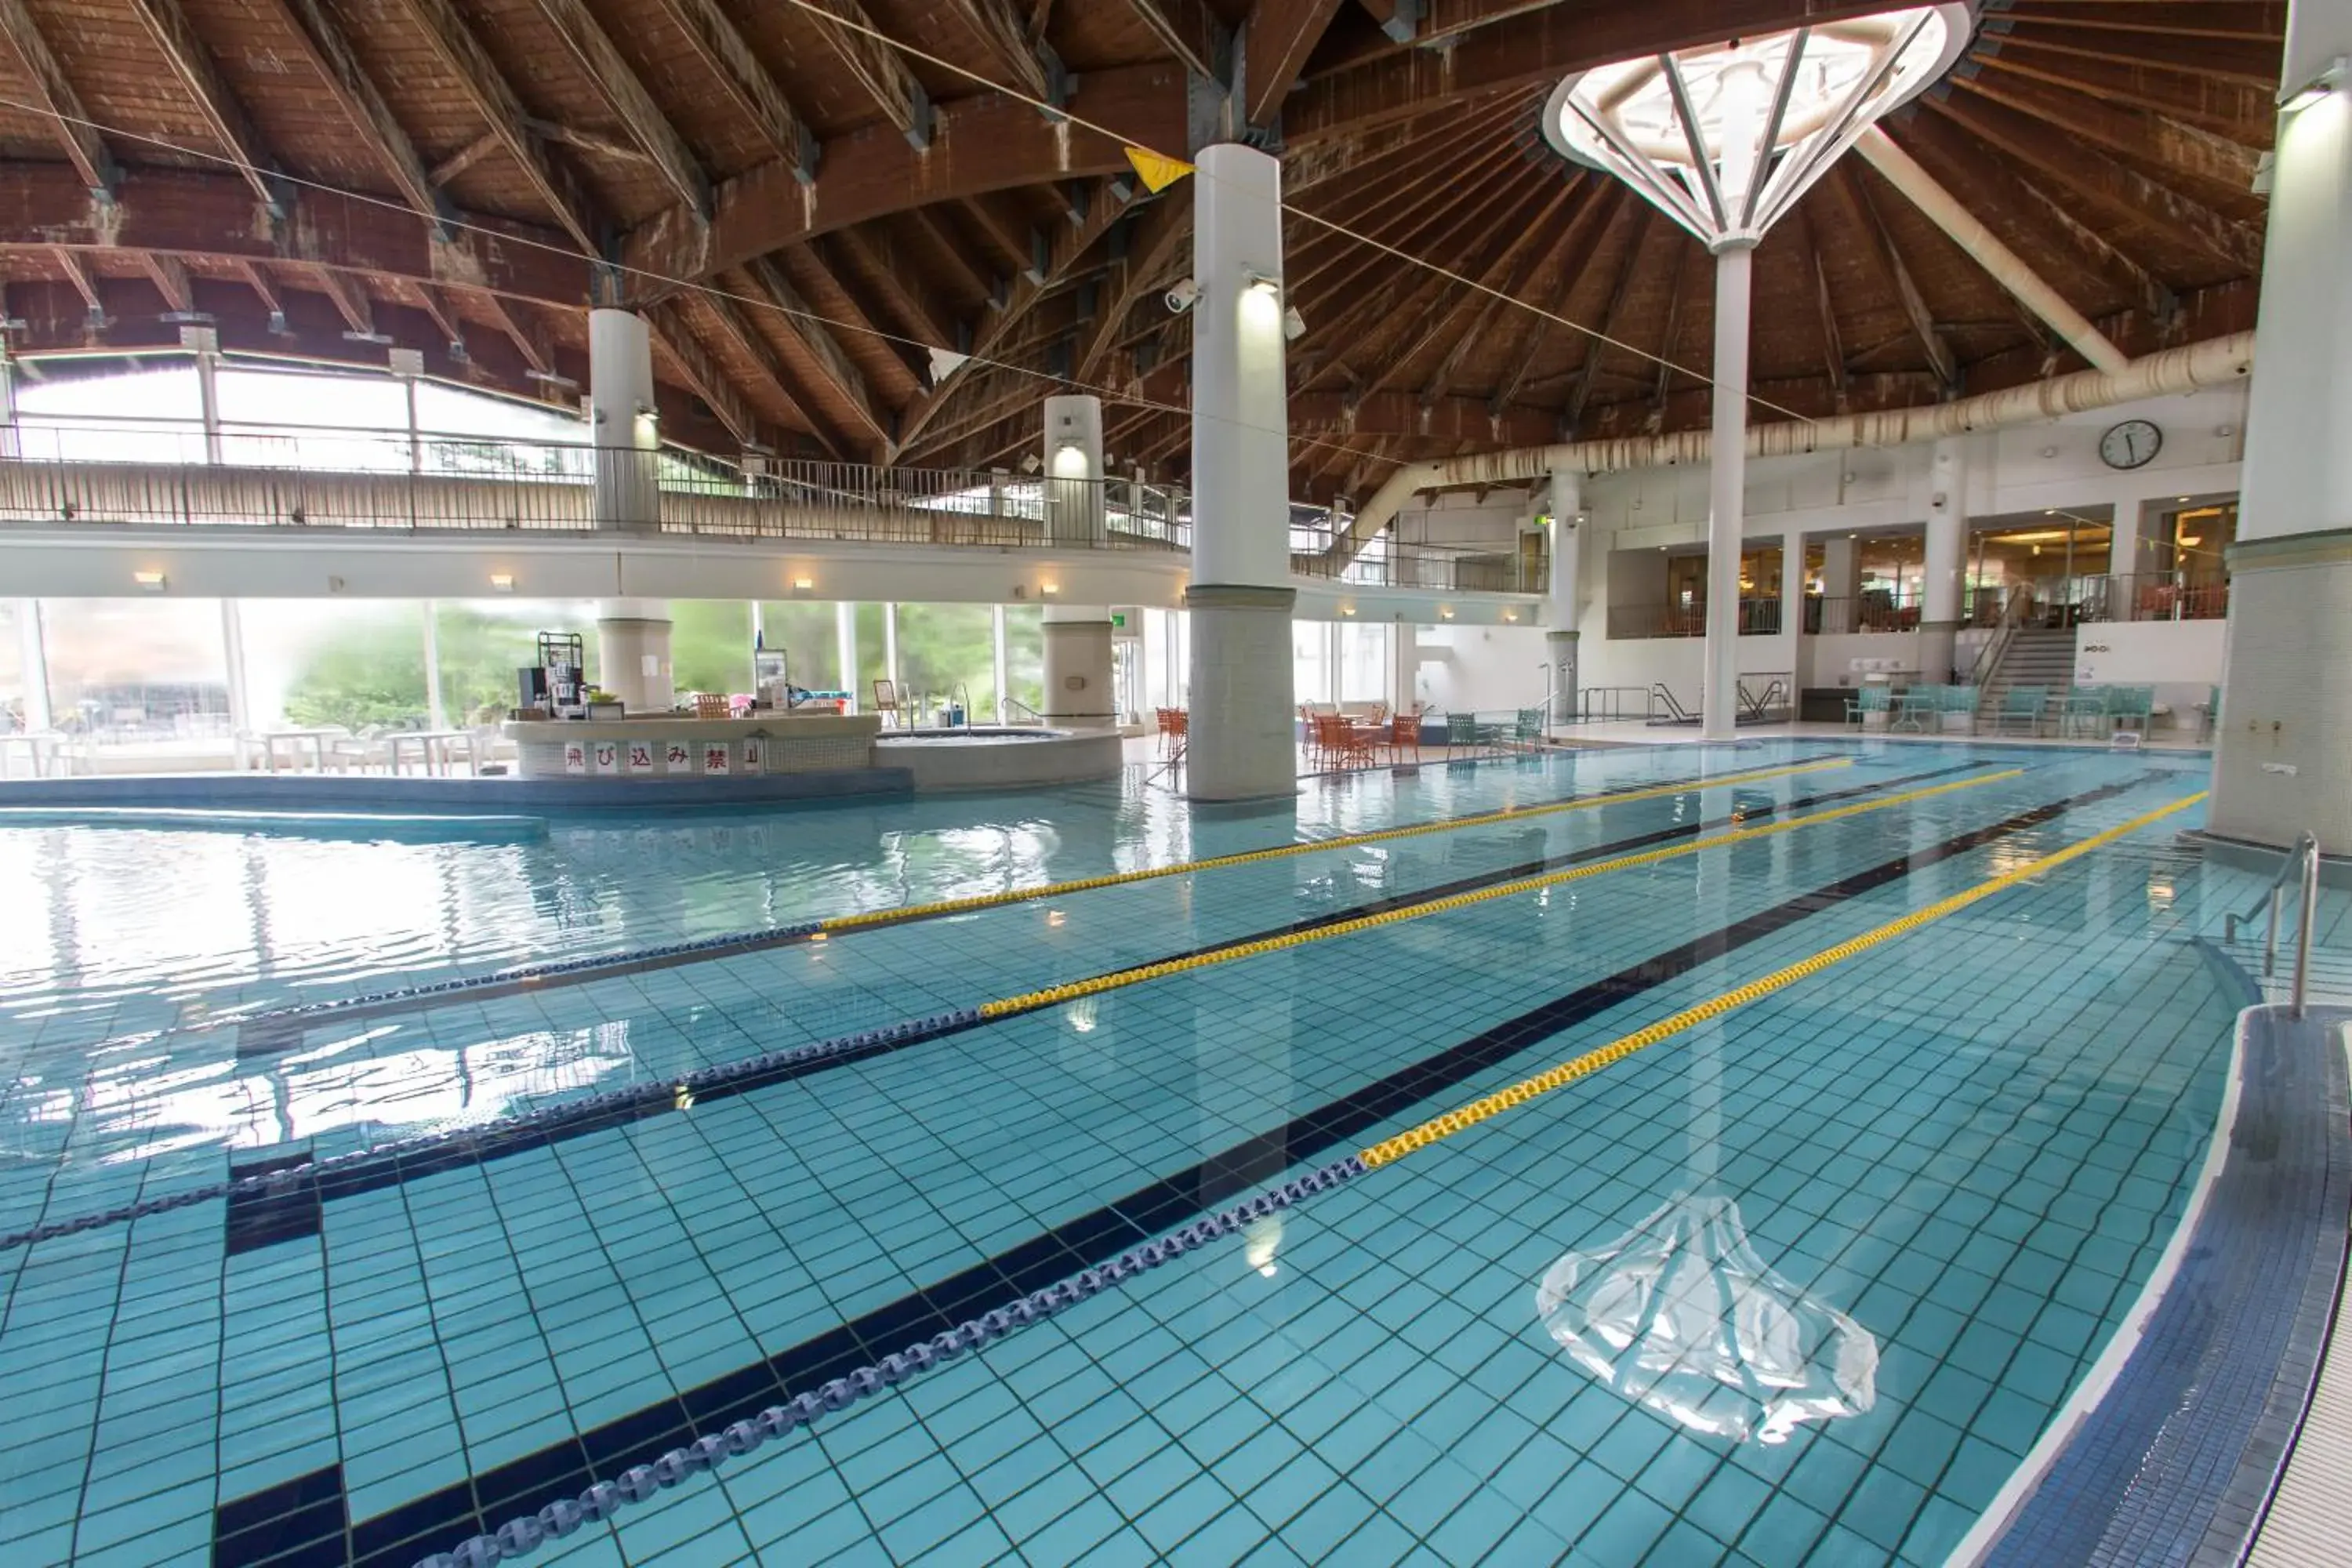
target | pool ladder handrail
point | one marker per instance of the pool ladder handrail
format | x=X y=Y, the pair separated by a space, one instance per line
x=2303 y=863
x=1018 y=706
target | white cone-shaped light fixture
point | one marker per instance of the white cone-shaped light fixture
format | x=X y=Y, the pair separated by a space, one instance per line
x=1726 y=137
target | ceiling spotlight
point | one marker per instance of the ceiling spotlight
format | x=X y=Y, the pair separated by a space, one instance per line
x=1293 y=325
x=1181 y=296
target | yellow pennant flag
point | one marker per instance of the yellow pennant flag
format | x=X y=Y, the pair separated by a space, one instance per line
x=1156 y=171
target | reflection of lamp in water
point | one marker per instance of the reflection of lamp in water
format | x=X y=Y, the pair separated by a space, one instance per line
x=1082 y=1015
x=1680 y=1314
x=1260 y=1238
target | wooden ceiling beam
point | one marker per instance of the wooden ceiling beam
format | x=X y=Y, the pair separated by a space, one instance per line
x=1612 y=319
x=1063 y=251
x=340 y=71
x=1676 y=278
x=69 y=121
x=463 y=56
x=876 y=67
x=2225 y=167
x=463 y=159
x=1155 y=241
x=774 y=375
x=2222 y=109
x=931 y=222
x=842 y=378
x=1526 y=51
x=1275 y=42
x=171 y=280
x=913 y=314
x=1003 y=34
x=1860 y=213
x=1990 y=187
x=2250 y=63
x=747 y=82
x=1605 y=208
x=1833 y=348
x=191 y=62
x=989 y=142
x=535 y=357
x=1191 y=32
x=1015 y=239
x=263 y=290
x=808 y=271
x=350 y=302
x=677 y=341
x=615 y=81
x=2121 y=191
x=84 y=284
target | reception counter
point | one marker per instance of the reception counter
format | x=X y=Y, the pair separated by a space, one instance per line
x=669 y=746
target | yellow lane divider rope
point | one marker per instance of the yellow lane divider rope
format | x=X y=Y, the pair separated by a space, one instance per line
x=1251 y=857
x=1120 y=979
x=1442 y=1127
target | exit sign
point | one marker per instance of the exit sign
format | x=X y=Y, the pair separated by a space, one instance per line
x=1118 y=620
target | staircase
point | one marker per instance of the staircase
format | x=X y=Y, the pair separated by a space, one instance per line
x=2036 y=655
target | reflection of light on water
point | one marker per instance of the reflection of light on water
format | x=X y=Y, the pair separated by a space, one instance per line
x=1680 y=1314
x=1082 y=1015
x=1260 y=1238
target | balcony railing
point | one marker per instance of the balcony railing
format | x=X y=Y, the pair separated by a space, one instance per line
x=1388 y=563
x=1757 y=617
x=167 y=473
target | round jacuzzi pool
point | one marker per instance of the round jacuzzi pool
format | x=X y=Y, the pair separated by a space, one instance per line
x=999 y=756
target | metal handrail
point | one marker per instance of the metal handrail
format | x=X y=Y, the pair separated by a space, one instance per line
x=2303 y=861
x=1015 y=702
x=2012 y=616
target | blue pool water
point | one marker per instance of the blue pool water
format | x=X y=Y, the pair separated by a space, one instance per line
x=1799 y=1284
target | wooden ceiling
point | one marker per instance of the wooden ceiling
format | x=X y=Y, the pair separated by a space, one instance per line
x=802 y=210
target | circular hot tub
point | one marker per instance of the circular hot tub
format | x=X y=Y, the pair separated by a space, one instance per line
x=999 y=756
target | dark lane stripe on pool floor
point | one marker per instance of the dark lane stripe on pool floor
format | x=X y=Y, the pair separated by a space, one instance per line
x=282 y=1029
x=438 y=1521
x=255 y=1215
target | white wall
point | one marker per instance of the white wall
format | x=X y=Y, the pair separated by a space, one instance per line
x=2182 y=660
x=1458 y=667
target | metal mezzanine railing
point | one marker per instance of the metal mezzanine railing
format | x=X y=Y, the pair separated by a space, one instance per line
x=171 y=473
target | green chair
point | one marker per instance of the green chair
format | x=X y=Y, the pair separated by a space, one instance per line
x=2022 y=704
x=1461 y=729
x=1960 y=702
x=1528 y=728
x=2085 y=706
x=1869 y=699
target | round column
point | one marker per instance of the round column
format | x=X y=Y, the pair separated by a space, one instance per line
x=2283 y=746
x=623 y=424
x=1947 y=526
x=1074 y=471
x=1566 y=589
x=632 y=653
x=1241 y=745
x=1727 y=492
x=1078 y=667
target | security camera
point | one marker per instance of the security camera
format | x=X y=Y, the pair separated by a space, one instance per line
x=1293 y=325
x=1182 y=295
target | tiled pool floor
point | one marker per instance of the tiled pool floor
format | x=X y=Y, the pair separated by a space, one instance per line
x=1920 y=1185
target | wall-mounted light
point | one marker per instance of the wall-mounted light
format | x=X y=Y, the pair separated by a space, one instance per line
x=646 y=410
x=1510 y=614
x=2295 y=99
x=1347 y=609
x=1252 y=277
x=803 y=584
x=1445 y=615
x=502 y=581
x=153 y=582
x=1049 y=589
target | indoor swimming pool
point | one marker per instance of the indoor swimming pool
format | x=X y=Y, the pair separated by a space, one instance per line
x=1671 y=1155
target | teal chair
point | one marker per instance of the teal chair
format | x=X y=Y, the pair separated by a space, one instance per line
x=1962 y=700
x=2022 y=705
x=1461 y=729
x=2085 y=707
x=1869 y=699
x=1528 y=728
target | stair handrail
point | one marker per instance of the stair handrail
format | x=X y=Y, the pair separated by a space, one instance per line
x=2302 y=863
x=2012 y=616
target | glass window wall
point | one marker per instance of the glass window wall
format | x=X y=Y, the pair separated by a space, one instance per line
x=710 y=645
x=130 y=671
x=944 y=646
x=1025 y=656
x=483 y=642
x=807 y=633
x=316 y=662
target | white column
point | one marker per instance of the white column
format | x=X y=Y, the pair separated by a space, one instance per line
x=1840 y=583
x=240 y=699
x=208 y=388
x=33 y=653
x=436 y=714
x=1078 y=667
x=890 y=643
x=1792 y=617
x=1004 y=694
x=1567 y=589
x=1946 y=553
x=2284 y=746
x=415 y=441
x=1726 y=496
x=623 y=422
x=10 y=447
x=759 y=641
x=1072 y=457
x=1241 y=739
x=632 y=653
x=844 y=648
